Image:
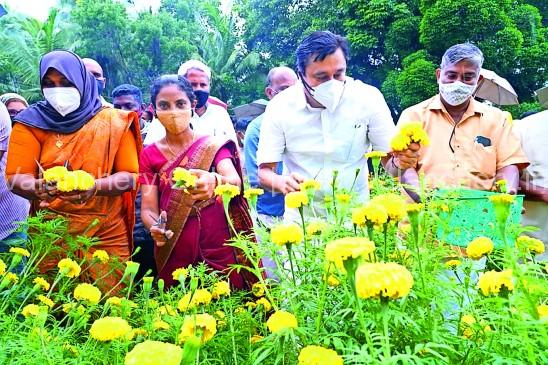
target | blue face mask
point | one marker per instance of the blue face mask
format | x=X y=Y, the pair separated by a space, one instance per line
x=100 y=86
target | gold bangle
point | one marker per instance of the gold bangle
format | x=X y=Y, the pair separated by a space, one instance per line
x=218 y=179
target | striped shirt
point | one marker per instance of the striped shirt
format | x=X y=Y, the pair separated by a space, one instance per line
x=13 y=208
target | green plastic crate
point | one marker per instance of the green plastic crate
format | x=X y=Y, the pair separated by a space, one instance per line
x=473 y=215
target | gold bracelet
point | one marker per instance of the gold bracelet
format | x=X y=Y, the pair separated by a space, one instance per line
x=218 y=179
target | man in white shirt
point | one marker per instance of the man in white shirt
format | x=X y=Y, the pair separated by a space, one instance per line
x=533 y=131
x=209 y=119
x=326 y=122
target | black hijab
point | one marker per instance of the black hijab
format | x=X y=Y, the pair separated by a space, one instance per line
x=42 y=115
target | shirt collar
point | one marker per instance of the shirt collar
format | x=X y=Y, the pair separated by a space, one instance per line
x=473 y=108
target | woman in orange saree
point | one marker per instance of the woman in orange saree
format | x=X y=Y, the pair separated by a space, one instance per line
x=71 y=127
x=197 y=229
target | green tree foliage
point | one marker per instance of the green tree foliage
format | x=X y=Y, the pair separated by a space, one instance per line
x=24 y=40
x=395 y=44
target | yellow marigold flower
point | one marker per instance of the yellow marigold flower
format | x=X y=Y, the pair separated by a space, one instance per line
x=137 y=332
x=346 y=248
x=154 y=353
x=375 y=154
x=466 y=323
x=250 y=305
x=501 y=185
x=41 y=282
x=160 y=325
x=315 y=227
x=371 y=213
x=310 y=184
x=264 y=303
x=503 y=199
x=30 y=310
x=76 y=181
x=452 y=263
x=415 y=132
x=11 y=278
x=288 y=233
x=101 y=255
x=258 y=290
x=109 y=328
x=3 y=267
x=88 y=293
x=479 y=247
x=296 y=199
x=200 y=297
x=253 y=192
x=114 y=301
x=400 y=142
x=180 y=274
x=183 y=178
x=69 y=268
x=317 y=355
x=531 y=244
x=255 y=338
x=20 y=251
x=343 y=198
x=45 y=300
x=167 y=310
x=205 y=322
x=542 y=311
x=414 y=207
x=333 y=281
x=281 y=320
x=491 y=282
x=383 y=279
x=393 y=204
x=54 y=174
x=227 y=190
x=222 y=288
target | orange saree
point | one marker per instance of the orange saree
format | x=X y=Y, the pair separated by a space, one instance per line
x=108 y=143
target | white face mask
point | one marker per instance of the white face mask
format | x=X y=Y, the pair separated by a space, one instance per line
x=456 y=92
x=329 y=94
x=63 y=99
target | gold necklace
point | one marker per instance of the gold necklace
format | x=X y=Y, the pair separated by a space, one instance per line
x=171 y=150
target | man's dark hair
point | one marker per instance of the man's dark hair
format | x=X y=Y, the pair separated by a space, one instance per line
x=317 y=46
x=127 y=89
x=166 y=80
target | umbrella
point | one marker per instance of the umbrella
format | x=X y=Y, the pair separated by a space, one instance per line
x=542 y=95
x=251 y=110
x=496 y=89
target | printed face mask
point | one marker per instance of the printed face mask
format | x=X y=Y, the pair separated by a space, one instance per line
x=456 y=92
x=175 y=122
x=329 y=94
x=63 y=99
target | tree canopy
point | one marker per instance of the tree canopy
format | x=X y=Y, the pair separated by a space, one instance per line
x=396 y=45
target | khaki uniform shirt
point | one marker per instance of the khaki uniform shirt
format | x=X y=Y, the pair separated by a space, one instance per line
x=455 y=155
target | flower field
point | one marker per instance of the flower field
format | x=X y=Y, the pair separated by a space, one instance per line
x=358 y=284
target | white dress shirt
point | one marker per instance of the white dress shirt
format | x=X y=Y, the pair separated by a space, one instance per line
x=533 y=131
x=214 y=122
x=314 y=142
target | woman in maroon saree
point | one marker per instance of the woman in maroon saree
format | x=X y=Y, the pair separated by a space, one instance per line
x=196 y=229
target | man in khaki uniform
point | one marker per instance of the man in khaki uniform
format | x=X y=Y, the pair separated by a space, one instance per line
x=471 y=144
